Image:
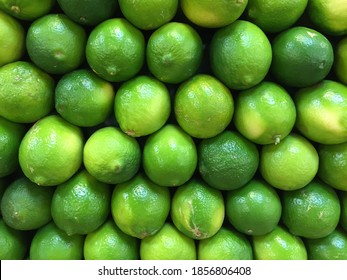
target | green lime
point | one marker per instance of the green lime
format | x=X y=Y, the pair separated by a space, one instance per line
x=341 y=60
x=27 y=9
x=343 y=204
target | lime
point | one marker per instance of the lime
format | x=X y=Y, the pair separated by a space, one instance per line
x=301 y=57
x=25 y=205
x=265 y=113
x=226 y=244
x=83 y=98
x=108 y=242
x=142 y=106
x=115 y=50
x=341 y=60
x=150 y=14
x=168 y=244
x=27 y=9
x=321 y=112
x=227 y=161
x=289 y=165
x=26 y=92
x=51 y=151
x=203 y=106
x=254 y=209
x=56 y=44
x=169 y=156
x=240 y=55
x=343 y=203
x=174 y=52
x=140 y=207
x=197 y=209
x=111 y=156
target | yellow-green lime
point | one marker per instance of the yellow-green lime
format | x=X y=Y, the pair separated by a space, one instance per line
x=226 y=244
x=148 y=15
x=51 y=151
x=333 y=165
x=213 y=14
x=227 y=161
x=197 y=209
x=265 y=113
x=140 y=207
x=13 y=243
x=301 y=57
x=169 y=156
x=312 y=211
x=289 y=165
x=142 y=106
x=52 y=243
x=240 y=55
x=278 y=244
x=321 y=112
x=27 y=9
x=88 y=12
x=83 y=98
x=11 y=136
x=81 y=204
x=108 y=242
x=111 y=156
x=26 y=92
x=115 y=50
x=25 y=205
x=174 y=52
x=275 y=16
x=341 y=60
x=168 y=244
x=329 y=16
x=203 y=106
x=331 y=247
x=12 y=39
x=254 y=209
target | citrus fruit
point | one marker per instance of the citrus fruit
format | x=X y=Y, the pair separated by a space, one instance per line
x=341 y=60
x=14 y=243
x=140 y=207
x=227 y=161
x=11 y=136
x=56 y=44
x=343 y=203
x=111 y=156
x=88 y=12
x=275 y=16
x=25 y=205
x=27 y=9
x=321 y=112
x=148 y=15
x=278 y=244
x=81 y=204
x=203 y=106
x=169 y=156
x=213 y=14
x=333 y=165
x=4 y=182
x=254 y=209
x=174 y=52
x=52 y=243
x=108 y=242
x=331 y=247
x=301 y=57
x=26 y=92
x=168 y=244
x=312 y=211
x=115 y=50
x=12 y=39
x=289 y=165
x=197 y=209
x=265 y=113
x=83 y=98
x=142 y=106
x=328 y=16
x=51 y=151
x=226 y=244
x=240 y=55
